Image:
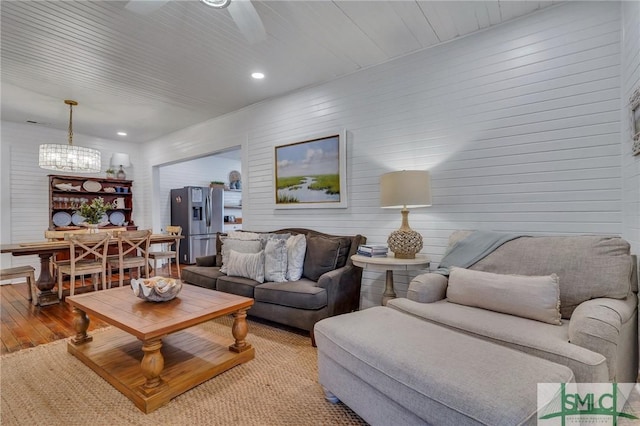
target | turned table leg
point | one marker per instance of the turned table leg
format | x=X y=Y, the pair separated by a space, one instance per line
x=239 y=331
x=80 y=324
x=389 y=292
x=152 y=365
x=45 y=282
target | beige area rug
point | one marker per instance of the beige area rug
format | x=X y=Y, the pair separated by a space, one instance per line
x=46 y=385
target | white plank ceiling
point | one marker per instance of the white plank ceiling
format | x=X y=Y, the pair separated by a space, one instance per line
x=151 y=74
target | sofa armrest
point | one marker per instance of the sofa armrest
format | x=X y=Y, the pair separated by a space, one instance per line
x=428 y=288
x=343 y=289
x=601 y=325
x=206 y=261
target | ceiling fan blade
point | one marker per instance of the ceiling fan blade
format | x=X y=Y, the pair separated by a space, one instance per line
x=248 y=21
x=145 y=7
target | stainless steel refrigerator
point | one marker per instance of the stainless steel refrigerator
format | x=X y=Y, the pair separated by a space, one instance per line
x=199 y=211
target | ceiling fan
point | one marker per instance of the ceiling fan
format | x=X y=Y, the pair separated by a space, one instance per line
x=242 y=12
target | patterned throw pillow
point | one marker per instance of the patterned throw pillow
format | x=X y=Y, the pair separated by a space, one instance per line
x=240 y=246
x=275 y=260
x=247 y=265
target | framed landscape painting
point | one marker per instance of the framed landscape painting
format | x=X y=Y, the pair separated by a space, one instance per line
x=312 y=173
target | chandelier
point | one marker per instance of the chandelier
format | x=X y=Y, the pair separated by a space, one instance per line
x=69 y=158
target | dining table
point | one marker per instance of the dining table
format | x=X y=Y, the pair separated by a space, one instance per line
x=46 y=249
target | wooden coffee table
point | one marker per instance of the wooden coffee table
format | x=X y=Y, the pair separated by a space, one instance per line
x=129 y=355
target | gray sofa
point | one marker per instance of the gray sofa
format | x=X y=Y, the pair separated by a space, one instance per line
x=330 y=283
x=412 y=360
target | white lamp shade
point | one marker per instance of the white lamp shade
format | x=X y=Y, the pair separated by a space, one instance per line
x=120 y=159
x=405 y=189
x=69 y=158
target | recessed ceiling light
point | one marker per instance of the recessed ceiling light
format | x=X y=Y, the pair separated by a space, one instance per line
x=257 y=75
x=122 y=133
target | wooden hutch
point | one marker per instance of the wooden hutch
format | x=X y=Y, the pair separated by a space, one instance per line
x=66 y=193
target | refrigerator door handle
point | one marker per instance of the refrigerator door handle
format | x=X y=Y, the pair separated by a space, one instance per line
x=207 y=210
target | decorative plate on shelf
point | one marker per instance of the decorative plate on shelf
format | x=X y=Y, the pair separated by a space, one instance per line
x=61 y=219
x=234 y=176
x=77 y=219
x=67 y=187
x=92 y=186
x=116 y=218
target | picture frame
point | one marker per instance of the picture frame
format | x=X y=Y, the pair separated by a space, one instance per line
x=634 y=110
x=312 y=172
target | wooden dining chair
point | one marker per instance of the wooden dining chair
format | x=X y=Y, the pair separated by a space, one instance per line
x=63 y=259
x=133 y=252
x=87 y=256
x=167 y=252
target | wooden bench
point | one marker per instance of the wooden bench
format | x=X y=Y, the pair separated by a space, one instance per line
x=22 y=272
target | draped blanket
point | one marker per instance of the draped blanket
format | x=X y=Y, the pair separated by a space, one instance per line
x=475 y=247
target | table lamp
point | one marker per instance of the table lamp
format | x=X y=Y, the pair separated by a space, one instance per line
x=403 y=190
x=122 y=160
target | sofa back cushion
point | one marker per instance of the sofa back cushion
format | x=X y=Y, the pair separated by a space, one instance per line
x=321 y=256
x=587 y=266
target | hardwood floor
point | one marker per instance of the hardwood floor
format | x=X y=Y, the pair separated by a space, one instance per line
x=24 y=326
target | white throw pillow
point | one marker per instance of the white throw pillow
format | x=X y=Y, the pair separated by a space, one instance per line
x=241 y=246
x=248 y=265
x=296 y=249
x=533 y=297
x=275 y=260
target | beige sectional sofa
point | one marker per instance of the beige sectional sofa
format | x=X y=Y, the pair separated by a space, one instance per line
x=581 y=290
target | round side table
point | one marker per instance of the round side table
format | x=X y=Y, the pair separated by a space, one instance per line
x=389 y=264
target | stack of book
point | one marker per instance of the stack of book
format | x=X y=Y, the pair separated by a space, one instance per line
x=373 y=250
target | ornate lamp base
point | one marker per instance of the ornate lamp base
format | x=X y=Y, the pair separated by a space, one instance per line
x=405 y=242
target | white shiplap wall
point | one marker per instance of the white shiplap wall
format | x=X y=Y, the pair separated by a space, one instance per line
x=25 y=186
x=630 y=82
x=519 y=125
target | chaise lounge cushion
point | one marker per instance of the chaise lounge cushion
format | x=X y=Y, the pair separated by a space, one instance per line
x=442 y=377
x=533 y=337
